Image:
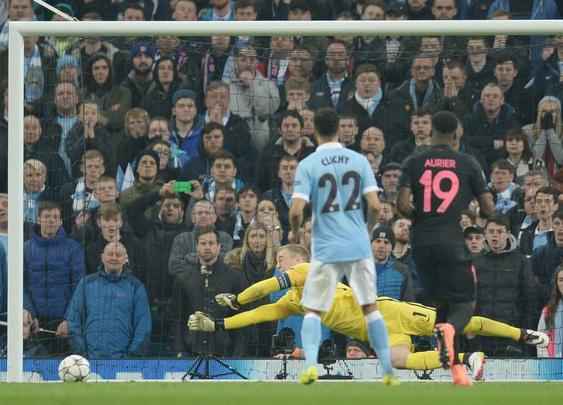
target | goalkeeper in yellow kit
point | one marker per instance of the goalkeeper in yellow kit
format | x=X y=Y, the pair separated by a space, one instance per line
x=403 y=319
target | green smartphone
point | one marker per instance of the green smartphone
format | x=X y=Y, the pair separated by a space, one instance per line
x=183 y=187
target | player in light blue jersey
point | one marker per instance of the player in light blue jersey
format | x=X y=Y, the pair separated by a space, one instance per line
x=335 y=181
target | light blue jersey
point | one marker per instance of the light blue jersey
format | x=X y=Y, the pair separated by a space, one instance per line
x=333 y=180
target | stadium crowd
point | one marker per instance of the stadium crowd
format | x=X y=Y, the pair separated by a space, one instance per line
x=159 y=171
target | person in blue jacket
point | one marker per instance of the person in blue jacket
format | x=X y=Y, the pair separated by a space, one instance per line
x=53 y=266
x=109 y=315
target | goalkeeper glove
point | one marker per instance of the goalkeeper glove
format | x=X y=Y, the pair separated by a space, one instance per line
x=200 y=322
x=227 y=300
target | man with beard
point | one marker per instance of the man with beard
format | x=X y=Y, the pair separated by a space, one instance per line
x=140 y=80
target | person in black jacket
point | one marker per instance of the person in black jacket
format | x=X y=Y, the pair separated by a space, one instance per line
x=156 y=237
x=195 y=291
x=540 y=232
x=506 y=286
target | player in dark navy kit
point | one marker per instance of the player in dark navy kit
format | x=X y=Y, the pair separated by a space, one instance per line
x=437 y=184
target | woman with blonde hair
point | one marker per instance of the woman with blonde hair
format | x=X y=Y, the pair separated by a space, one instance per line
x=256 y=260
x=544 y=135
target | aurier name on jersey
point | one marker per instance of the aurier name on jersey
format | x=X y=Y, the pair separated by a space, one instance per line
x=333 y=180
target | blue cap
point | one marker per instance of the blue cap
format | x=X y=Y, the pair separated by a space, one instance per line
x=142 y=47
x=66 y=60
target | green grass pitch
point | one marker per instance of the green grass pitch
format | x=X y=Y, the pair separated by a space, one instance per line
x=264 y=393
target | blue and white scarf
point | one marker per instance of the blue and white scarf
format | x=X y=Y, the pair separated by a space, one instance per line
x=34 y=79
x=427 y=95
x=83 y=199
x=370 y=104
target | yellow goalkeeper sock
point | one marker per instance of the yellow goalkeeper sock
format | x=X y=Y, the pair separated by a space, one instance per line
x=482 y=326
x=426 y=360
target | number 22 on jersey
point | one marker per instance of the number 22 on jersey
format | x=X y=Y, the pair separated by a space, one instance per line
x=436 y=185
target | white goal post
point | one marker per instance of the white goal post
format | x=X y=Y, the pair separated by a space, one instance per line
x=255 y=28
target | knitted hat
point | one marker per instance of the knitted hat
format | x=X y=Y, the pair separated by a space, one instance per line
x=383 y=232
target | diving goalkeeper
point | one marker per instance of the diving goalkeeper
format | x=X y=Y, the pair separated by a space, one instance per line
x=345 y=316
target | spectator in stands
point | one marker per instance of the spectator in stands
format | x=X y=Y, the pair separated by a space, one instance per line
x=68 y=70
x=214 y=60
x=547 y=258
x=308 y=116
x=540 y=232
x=458 y=97
x=185 y=10
x=474 y=239
x=225 y=207
x=183 y=253
x=159 y=99
x=419 y=10
x=109 y=220
x=158 y=129
x=421 y=130
x=387 y=212
x=185 y=129
x=368 y=104
x=503 y=186
x=113 y=101
x=357 y=350
x=247 y=203
x=393 y=278
x=66 y=115
x=373 y=141
x=253 y=98
x=211 y=143
x=479 y=66
x=220 y=10
x=186 y=57
x=53 y=266
x=77 y=196
x=237 y=133
x=291 y=143
x=551 y=320
x=18 y=10
x=41 y=142
x=518 y=153
x=166 y=171
x=300 y=63
x=34 y=189
x=124 y=331
x=135 y=137
x=348 y=131
x=268 y=215
x=278 y=59
x=390 y=174
x=282 y=191
x=544 y=135
x=506 y=72
x=300 y=10
x=297 y=93
x=140 y=81
x=486 y=125
x=194 y=291
x=448 y=10
x=506 y=286
x=87 y=134
x=333 y=87
x=223 y=174
x=421 y=91
x=146 y=176
x=89 y=47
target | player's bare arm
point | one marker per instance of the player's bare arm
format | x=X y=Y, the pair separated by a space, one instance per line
x=404 y=202
x=374 y=205
x=296 y=218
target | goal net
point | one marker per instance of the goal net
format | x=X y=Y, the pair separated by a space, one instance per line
x=133 y=139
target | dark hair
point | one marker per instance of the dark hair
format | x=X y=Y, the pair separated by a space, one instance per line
x=224 y=155
x=421 y=112
x=505 y=57
x=455 y=64
x=204 y=230
x=470 y=214
x=249 y=188
x=554 y=300
x=211 y=126
x=175 y=77
x=444 y=124
x=367 y=68
x=288 y=158
x=503 y=164
x=558 y=214
x=347 y=116
x=91 y=84
x=326 y=122
x=49 y=205
x=135 y=6
x=549 y=191
x=499 y=220
x=292 y=114
x=245 y=3
x=518 y=134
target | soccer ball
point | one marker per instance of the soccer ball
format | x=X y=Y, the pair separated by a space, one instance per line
x=74 y=368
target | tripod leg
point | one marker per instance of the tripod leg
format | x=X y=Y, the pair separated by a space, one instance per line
x=193 y=371
x=231 y=369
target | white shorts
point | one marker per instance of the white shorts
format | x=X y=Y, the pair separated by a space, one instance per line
x=320 y=285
